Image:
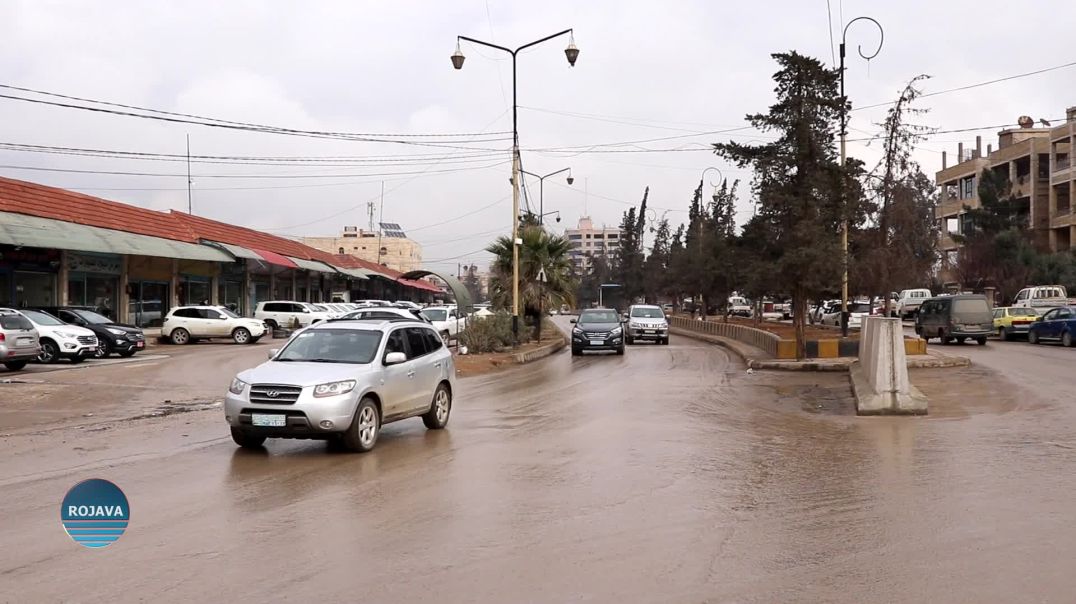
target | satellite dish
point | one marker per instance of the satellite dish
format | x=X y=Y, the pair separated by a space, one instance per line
x=1025 y=121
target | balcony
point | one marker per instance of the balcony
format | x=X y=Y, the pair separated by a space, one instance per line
x=954 y=205
x=1061 y=163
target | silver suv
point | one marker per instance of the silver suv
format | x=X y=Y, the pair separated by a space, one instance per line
x=342 y=380
x=18 y=340
x=645 y=322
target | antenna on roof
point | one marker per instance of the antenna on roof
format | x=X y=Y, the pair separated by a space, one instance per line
x=370 y=209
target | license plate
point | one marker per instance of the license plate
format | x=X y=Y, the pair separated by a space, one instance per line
x=973 y=327
x=596 y=342
x=24 y=341
x=650 y=331
x=140 y=345
x=272 y=420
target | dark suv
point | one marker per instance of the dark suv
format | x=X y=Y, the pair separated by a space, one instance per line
x=597 y=329
x=124 y=340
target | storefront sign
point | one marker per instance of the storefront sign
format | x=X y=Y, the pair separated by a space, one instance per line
x=29 y=258
x=93 y=264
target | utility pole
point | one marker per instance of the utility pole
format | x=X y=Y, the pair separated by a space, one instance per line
x=380 y=221
x=844 y=189
x=190 y=206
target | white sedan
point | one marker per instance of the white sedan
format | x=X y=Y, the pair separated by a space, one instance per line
x=187 y=323
x=857 y=311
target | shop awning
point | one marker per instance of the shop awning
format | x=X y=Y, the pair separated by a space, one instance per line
x=356 y=273
x=312 y=265
x=32 y=231
x=235 y=250
x=277 y=259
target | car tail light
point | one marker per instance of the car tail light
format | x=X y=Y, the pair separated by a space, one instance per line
x=2 y=337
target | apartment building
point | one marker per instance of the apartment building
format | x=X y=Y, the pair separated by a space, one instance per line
x=1036 y=161
x=389 y=246
x=588 y=241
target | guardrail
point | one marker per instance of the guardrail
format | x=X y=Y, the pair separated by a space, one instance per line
x=748 y=335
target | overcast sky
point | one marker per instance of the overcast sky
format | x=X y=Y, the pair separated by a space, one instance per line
x=646 y=71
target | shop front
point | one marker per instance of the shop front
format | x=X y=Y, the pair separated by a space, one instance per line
x=150 y=290
x=230 y=287
x=196 y=281
x=28 y=276
x=93 y=280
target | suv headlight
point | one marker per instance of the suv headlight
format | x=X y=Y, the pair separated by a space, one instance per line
x=616 y=331
x=237 y=386
x=116 y=332
x=576 y=330
x=334 y=388
x=67 y=334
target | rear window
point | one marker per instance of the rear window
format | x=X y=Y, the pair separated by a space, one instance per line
x=859 y=307
x=1023 y=312
x=15 y=322
x=970 y=306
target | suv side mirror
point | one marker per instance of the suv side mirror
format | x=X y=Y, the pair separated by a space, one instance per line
x=574 y=321
x=272 y=353
x=395 y=358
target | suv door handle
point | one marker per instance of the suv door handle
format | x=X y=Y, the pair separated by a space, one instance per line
x=437 y=364
x=411 y=373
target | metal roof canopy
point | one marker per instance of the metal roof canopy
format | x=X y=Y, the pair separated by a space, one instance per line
x=33 y=231
x=356 y=273
x=459 y=291
x=235 y=250
x=313 y=265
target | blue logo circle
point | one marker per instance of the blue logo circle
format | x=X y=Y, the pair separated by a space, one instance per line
x=95 y=513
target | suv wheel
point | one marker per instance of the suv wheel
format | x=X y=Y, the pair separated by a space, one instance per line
x=437 y=417
x=1066 y=339
x=271 y=324
x=576 y=352
x=49 y=352
x=180 y=336
x=102 y=350
x=241 y=335
x=362 y=435
x=246 y=439
x=620 y=351
x=15 y=365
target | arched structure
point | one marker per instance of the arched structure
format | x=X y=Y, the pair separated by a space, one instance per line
x=459 y=291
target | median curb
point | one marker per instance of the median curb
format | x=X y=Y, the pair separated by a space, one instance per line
x=540 y=353
x=754 y=358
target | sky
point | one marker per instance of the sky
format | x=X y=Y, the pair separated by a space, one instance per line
x=654 y=86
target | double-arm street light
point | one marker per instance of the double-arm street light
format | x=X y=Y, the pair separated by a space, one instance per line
x=571 y=53
x=719 y=173
x=541 y=190
x=844 y=135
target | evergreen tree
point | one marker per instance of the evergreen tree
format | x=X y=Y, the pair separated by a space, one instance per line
x=629 y=273
x=798 y=181
x=657 y=264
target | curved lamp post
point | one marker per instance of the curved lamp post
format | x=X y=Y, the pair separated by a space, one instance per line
x=844 y=135
x=572 y=54
x=541 y=189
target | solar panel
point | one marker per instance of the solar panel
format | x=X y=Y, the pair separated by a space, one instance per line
x=392 y=229
x=392 y=226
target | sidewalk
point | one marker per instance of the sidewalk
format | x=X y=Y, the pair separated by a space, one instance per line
x=756 y=358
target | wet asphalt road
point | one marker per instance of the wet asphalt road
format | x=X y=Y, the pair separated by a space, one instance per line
x=665 y=475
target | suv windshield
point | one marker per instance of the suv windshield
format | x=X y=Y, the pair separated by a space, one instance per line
x=228 y=312
x=91 y=317
x=42 y=318
x=598 y=316
x=647 y=313
x=332 y=346
x=436 y=315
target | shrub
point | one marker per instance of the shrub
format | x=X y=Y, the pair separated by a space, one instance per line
x=487 y=334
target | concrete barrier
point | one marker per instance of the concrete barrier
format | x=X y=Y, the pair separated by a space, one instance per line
x=769 y=342
x=880 y=376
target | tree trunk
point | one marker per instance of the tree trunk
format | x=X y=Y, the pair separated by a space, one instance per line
x=799 y=319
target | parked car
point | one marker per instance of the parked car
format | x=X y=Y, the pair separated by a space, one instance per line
x=1042 y=296
x=383 y=313
x=959 y=317
x=344 y=380
x=857 y=311
x=816 y=314
x=597 y=329
x=1057 y=324
x=19 y=343
x=112 y=337
x=1012 y=321
x=447 y=320
x=185 y=324
x=909 y=300
x=60 y=340
x=406 y=305
x=738 y=306
x=646 y=322
x=281 y=314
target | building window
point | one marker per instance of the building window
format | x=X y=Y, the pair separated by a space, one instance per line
x=588 y=235
x=967 y=187
x=340 y=251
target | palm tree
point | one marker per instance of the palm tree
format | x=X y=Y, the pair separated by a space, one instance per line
x=540 y=252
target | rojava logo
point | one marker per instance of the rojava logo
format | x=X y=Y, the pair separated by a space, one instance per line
x=95 y=513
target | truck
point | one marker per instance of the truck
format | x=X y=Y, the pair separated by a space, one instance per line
x=1042 y=297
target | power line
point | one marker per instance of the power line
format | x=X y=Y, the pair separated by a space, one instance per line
x=244 y=176
x=976 y=85
x=234 y=123
x=461 y=216
x=829 y=21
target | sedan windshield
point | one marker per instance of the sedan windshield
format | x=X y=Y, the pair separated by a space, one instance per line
x=1023 y=312
x=332 y=346
x=599 y=316
x=436 y=315
x=647 y=313
x=42 y=318
x=91 y=317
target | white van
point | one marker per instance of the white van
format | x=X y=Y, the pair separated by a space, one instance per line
x=909 y=301
x=1042 y=296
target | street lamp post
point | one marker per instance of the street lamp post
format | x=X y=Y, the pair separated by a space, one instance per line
x=541 y=189
x=844 y=135
x=572 y=54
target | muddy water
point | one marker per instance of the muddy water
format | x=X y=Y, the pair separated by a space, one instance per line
x=665 y=475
